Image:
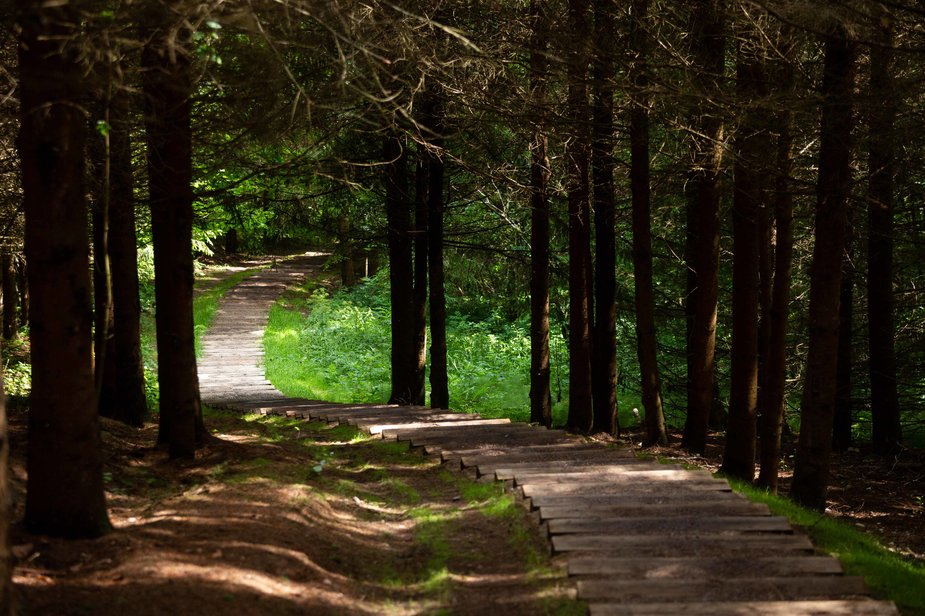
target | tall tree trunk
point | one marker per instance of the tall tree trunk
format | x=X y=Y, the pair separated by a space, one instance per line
x=132 y=406
x=580 y=412
x=420 y=277
x=774 y=380
x=10 y=298
x=167 y=87
x=604 y=369
x=22 y=284
x=844 y=413
x=104 y=360
x=540 y=396
x=811 y=473
x=348 y=276
x=884 y=403
x=6 y=514
x=646 y=341
x=439 y=380
x=401 y=272
x=64 y=491
x=749 y=195
x=708 y=42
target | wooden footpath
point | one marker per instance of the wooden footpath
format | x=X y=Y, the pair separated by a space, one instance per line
x=640 y=538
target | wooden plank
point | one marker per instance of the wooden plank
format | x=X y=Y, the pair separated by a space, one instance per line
x=679 y=499
x=427 y=429
x=698 y=545
x=671 y=590
x=508 y=471
x=695 y=567
x=859 y=607
x=603 y=488
x=668 y=526
x=725 y=507
x=489 y=462
x=616 y=471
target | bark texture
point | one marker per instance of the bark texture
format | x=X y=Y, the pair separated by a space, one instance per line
x=811 y=473
x=708 y=47
x=167 y=87
x=64 y=492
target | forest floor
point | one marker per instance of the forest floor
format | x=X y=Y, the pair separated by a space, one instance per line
x=880 y=496
x=280 y=517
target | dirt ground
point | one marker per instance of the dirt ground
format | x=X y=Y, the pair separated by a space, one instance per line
x=882 y=496
x=279 y=518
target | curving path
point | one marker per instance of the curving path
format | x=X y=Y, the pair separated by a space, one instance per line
x=640 y=538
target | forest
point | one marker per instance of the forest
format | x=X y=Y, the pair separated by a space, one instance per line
x=692 y=224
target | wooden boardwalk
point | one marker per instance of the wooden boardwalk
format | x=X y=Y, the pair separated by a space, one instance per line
x=640 y=538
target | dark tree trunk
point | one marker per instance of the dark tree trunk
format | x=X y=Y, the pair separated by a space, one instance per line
x=401 y=272
x=604 y=368
x=646 y=341
x=439 y=380
x=774 y=380
x=22 y=283
x=348 y=276
x=708 y=41
x=7 y=602
x=749 y=195
x=841 y=422
x=540 y=396
x=167 y=87
x=10 y=298
x=884 y=404
x=580 y=412
x=811 y=473
x=64 y=491
x=132 y=406
x=420 y=278
x=104 y=359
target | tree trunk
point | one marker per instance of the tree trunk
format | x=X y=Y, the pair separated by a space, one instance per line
x=132 y=406
x=748 y=206
x=22 y=283
x=604 y=372
x=540 y=396
x=884 y=403
x=6 y=514
x=774 y=380
x=646 y=341
x=439 y=380
x=104 y=359
x=811 y=473
x=64 y=491
x=167 y=87
x=708 y=39
x=841 y=422
x=348 y=276
x=580 y=412
x=420 y=278
x=401 y=272
x=10 y=299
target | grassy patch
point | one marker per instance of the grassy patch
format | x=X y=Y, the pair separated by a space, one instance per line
x=889 y=575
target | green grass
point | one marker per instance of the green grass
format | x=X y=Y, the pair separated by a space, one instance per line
x=889 y=575
x=337 y=348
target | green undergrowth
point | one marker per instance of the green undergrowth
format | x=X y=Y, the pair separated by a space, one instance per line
x=888 y=574
x=386 y=482
x=336 y=347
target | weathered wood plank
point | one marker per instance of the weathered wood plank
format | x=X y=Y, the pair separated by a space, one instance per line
x=698 y=545
x=677 y=499
x=569 y=508
x=603 y=488
x=669 y=526
x=615 y=472
x=860 y=607
x=434 y=429
x=670 y=590
x=697 y=567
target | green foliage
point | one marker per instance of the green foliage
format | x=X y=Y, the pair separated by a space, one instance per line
x=889 y=575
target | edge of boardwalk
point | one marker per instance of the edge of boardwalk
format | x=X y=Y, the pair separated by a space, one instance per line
x=639 y=537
